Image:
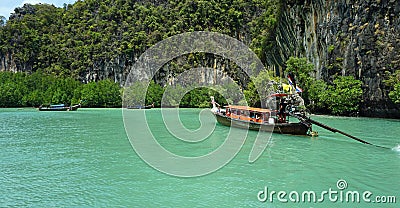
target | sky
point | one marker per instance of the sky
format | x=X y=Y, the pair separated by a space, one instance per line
x=7 y=6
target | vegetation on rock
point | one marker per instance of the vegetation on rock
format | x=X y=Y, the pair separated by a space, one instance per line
x=76 y=40
x=341 y=97
x=60 y=49
x=393 y=81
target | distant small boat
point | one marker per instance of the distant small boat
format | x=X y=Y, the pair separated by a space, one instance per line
x=141 y=106
x=59 y=107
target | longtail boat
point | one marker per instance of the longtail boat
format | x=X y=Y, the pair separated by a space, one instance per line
x=277 y=121
x=276 y=117
x=59 y=107
x=141 y=106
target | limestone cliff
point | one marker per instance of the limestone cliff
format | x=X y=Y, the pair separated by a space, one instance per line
x=346 y=37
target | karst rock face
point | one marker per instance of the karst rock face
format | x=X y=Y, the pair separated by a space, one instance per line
x=344 y=37
x=360 y=38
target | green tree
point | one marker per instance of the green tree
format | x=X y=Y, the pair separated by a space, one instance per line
x=251 y=95
x=395 y=93
x=133 y=95
x=344 y=96
x=393 y=81
x=312 y=88
x=261 y=87
x=20 y=89
x=316 y=96
x=109 y=94
x=228 y=93
x=10 y=95
x=34 y=98
x=171 y=95
x=154 y=94
x=302 y=69
x=90 y=95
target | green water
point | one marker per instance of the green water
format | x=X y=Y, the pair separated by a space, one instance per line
x=84 y=159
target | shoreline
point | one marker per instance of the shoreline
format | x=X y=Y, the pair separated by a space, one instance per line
x=115 y=108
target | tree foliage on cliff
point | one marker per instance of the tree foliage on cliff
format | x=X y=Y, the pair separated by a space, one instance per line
x=258 y=90
x=341 y=97
x=74 y=40
x=393 y=81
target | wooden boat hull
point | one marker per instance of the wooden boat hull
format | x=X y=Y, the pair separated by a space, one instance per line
x=74 y=108
x=139 y=107
x=53 y=109
x=281 y=128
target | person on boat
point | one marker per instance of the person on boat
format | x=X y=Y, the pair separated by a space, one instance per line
x=228 y=112
x=282 y=109
x=292 y=79
x=298 y=101
x=214 y=109
x=258 y=117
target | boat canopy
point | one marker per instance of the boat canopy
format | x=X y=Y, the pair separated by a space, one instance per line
x=279 y=95
x=247 y=108
x=57 y=106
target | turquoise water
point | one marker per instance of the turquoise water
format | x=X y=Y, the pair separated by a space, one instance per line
x=84 y=159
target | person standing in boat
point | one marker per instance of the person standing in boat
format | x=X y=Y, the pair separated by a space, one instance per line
x=292 y=81
x=282 y=109
x=216 y=106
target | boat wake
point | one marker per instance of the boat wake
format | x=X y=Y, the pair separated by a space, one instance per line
x=396 y=148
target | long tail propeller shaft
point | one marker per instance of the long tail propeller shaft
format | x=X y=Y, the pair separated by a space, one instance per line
x=307 y=120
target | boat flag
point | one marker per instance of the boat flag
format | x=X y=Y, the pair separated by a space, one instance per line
x=298 y=89
x=292 y=81
x=287 y=88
